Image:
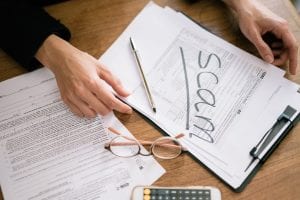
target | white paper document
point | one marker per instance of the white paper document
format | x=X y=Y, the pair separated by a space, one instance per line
x=222 y=98
x=48 y=153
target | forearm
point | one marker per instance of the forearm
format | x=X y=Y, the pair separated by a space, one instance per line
x=24 y=27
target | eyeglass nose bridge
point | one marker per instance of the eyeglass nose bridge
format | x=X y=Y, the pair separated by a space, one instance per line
x=149 y=153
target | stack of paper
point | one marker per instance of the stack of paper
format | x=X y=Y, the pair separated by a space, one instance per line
x=222 y=98
x=48 y=153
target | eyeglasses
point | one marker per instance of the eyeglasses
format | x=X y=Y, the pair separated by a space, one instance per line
x=163 y=147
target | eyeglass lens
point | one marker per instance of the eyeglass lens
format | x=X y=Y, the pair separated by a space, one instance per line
x=166 y=148
x=124 y=147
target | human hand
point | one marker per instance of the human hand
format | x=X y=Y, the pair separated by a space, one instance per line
x=256 y=21
x=82 y=80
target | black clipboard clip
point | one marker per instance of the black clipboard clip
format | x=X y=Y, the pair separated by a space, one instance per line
x=285 y=119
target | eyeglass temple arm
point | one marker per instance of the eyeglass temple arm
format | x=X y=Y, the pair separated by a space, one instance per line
x=118 y=133
x=143 y=142
x=134 y=143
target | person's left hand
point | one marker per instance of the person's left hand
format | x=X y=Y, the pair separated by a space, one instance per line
x=82 y=80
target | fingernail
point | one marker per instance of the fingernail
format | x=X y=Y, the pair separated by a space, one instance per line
x=125 y=91
x=269 y=59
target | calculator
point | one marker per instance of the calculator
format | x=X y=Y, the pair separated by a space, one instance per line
x=175 y=193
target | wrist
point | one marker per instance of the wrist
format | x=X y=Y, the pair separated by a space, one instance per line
x=52 y=51
x=240 y=6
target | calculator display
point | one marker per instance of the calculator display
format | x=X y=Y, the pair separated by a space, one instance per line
x=176 y=194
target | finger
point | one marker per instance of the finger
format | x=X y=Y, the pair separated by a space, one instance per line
x=292 y=47
x=102 y=92
x=281 y=60
x=262 y=47
x=95 y=103
x=82 y=106
x=75 y=110
x=113 y=81
x=71 y=106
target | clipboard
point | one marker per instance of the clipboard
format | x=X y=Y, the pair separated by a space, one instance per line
x=145 y=24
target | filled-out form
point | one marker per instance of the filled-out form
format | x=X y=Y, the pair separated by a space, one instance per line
x=46 y=152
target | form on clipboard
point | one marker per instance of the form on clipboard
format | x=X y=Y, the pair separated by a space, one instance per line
x=222 y=98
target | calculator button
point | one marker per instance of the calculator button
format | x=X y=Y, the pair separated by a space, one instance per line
x=146 y=197
x=147 y=191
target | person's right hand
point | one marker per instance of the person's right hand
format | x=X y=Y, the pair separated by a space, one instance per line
x=257 y=21
x=82 y=80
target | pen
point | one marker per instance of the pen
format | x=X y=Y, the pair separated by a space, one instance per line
x=138 y=61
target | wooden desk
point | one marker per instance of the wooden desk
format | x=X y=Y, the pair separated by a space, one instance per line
x=96 y=24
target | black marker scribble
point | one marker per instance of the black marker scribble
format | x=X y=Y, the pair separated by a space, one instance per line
x=205 y=100
x=187 y=126
x=208 y=60
x=211 y=73
x=206 y=91
x=206 y=131
x=206 y=96
x=211 y=140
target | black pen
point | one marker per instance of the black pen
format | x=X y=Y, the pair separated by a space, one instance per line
x=138 y=61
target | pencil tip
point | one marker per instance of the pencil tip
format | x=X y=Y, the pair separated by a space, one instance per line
x=154 y=110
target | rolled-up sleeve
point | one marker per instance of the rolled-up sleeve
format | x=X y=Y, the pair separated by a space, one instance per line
x=24 y=27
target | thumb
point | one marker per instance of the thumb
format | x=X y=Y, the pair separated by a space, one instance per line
x=262 y=47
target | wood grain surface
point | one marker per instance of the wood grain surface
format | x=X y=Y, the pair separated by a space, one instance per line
x=95 y=24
